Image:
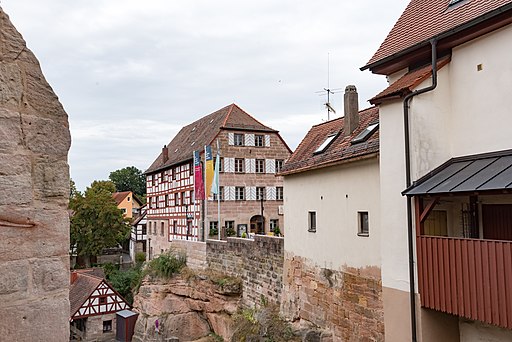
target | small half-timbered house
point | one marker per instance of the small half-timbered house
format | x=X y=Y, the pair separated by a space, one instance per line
x=93 y=306
x=138 y=235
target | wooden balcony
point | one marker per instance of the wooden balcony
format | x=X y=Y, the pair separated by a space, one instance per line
x=466 y=277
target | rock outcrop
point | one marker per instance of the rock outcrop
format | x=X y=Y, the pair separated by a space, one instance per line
x=187 y=308
x=34 y=191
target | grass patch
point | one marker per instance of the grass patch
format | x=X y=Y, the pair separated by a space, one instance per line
x=166 y=264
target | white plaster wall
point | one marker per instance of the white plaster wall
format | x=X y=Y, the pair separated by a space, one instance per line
x=474 y=331
x=467 y=113
x=394 y=252
x=325 y=191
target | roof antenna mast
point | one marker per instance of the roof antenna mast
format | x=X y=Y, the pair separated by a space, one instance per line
x=328 y=91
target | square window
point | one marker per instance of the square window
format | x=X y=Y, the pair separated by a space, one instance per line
x=239 y=165
x=260 y=193
x=279 y=193
x=230 y=228
x=214 y=225
x=259 y=140
x=364 y=226
x=260 y=165
x=312 y=221
x=274 y=223
x=123 y=210
x=103 y=300
x=239 y=139
x=239 y=193
x=107 y=326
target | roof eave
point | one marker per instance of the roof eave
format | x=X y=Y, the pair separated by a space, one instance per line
x=384 y=65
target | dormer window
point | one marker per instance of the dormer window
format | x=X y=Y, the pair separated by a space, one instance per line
x=330 y=138
x=365 y=134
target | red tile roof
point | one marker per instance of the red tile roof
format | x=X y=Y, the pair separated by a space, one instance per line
x=406 y=84
x=203 y=131
x=81 y=289
x=340 y=150
x=120 y=196
x=423 y=20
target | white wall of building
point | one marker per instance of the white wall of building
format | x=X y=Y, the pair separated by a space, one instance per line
x=336 y=194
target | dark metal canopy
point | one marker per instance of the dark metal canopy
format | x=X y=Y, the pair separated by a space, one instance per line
x=480 y=172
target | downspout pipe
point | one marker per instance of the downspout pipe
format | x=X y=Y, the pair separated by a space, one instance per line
x=410 y=235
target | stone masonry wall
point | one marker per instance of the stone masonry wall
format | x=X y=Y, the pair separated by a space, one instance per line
x=258 y=262
x=195 y=251
x=34 y=192
x=347 y=302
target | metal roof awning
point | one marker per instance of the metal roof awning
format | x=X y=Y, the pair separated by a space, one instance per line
x=481 y=172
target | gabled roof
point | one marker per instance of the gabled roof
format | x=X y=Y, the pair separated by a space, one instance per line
x=81 y=289
x=139 y=217
x=202 y=132
x=474 y=173
x=406 y=84
x=339 y=150
x=120 y=196
x=423 y=20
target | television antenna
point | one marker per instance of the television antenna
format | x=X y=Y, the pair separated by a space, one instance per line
x=328 y=91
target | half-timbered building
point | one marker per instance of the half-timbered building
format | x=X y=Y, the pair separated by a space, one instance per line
x=251 y=195
x=445 y=137
x=138 y=234
x=93 y=306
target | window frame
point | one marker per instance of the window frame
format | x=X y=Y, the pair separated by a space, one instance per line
x=260 y=193
x=239 y=139
x=259 y=140
x=279 y=193
x=259 y=166
x=107 y=326
x=238 y=162
x=312 y=221
x=221 y=194
x=363 y=225
x=239 y=190
x=279 y=163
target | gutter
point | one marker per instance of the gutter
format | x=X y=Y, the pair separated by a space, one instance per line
x=410 y=238
x=443 y=35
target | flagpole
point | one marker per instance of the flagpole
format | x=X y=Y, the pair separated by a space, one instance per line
x=218 y=188
x=207 y=222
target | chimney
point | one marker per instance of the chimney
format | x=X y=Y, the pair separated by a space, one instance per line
x=351 y=103
x=165 y=153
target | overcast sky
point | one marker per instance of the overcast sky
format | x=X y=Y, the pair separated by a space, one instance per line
x=131 y=73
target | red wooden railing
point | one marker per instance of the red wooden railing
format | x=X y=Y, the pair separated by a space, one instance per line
x=466 y=277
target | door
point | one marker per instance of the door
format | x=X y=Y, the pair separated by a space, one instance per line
x=497 y=221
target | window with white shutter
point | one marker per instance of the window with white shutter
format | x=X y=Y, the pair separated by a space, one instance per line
x=271 y=193
x=229 y=193
x=267 y=140
x=229 y=165
x=251 y=193
x=250 y=165
x=249 y=140
x=270 y=165
x=231 y=139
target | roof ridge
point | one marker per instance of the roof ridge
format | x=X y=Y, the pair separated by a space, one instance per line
x=228 y=114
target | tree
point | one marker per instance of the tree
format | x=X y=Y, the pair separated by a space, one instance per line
x=129 y=179
x=96 y=222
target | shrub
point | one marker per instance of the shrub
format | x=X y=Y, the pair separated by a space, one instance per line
x=140 y=258
x=167 y=264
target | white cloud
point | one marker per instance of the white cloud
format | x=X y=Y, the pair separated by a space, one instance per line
x=130 y=74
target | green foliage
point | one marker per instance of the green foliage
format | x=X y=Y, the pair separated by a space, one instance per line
x=244 y=235
x=230 y=232
x=214 y=231
x=73 y=192
x=262 y=324
x=129 y=179
x=277 y=231
x=96 y=223
x=167 y=264
x=216 y=338
x=125 y=282
x=140 y=258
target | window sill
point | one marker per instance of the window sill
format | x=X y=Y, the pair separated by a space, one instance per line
x=363 y=234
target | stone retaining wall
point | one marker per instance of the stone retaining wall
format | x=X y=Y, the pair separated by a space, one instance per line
x=258 y=262
x=347 y=302
x=195 y=251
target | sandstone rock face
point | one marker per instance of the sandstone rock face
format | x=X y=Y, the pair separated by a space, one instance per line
x=188 y=310
x=34 y=191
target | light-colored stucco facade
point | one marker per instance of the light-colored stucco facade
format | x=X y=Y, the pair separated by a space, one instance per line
x=468 y=113
x=336 y=194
